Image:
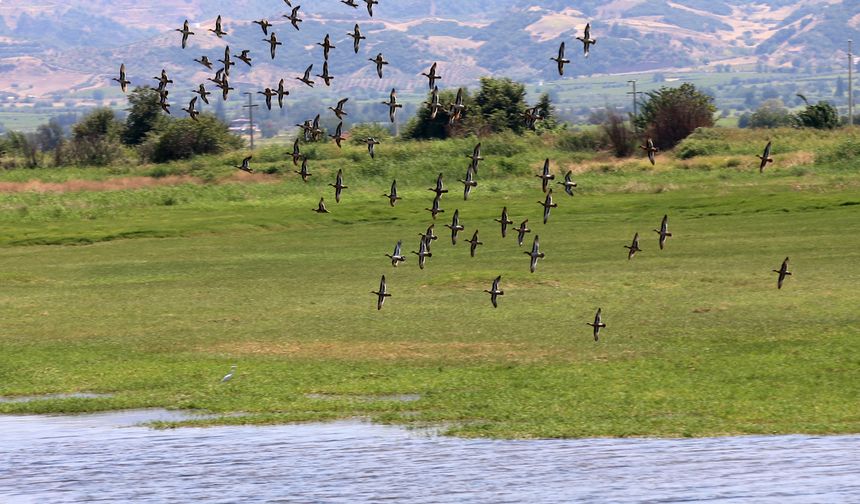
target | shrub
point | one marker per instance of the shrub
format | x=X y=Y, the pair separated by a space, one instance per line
x=96 y=138
x=578 y=141
x=359 y=133
x=184 y=138
x=671 y=114
x=771 y=114
x=822 y=115
x=618 y=134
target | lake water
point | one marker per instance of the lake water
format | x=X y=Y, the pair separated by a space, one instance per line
x=107 y=458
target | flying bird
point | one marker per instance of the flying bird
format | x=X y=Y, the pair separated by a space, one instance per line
x=273 y=44
x=245 y=56
x=185 y=31
x=371 y=146
x=123 y=82
x=392 y=105
x=338 y=186
x=568 y=183
x=633 y=247
x=379 y=60
x=650 y=150
x=246 y=165
x=783 y=272
x=423 y=251
x=560 y=59
x=326 y=45
x=294 y=17
x=307 y=77
x=338 y=135
x=325 y=76
x=545 y=176
x=440 y=188
x=547 y=205
x=192 y=112
x=218 y=31
x=303 y=171
x=338 y=109
x=393 y=197
x=434 y=209
x=264 y=25
x=468 y=183
x=268 y=93
x=435 y=105
x=381 y=294
x=455 y=226
x=521 y=231
x=357 y=37
x=227 y=62
x=432 y=76
x=494 y=292
x=457 y=108
x=504 y=221
x=204 y=60
x=586 y=39
x=350 y=3
x=297 y=154
x=429 y=236
x=396 y=257
x=765 y=158
x=473 y=243
x=476 y=157
x=663 y=231
x=201 y=91
x=535 y=254
x=597 y=324
x=321 y=207
x=281 y=93
x=163 y=80
x=370 y=4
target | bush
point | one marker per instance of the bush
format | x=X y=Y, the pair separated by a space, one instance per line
x=578 y=141
x=359 y=133
x=822 y=115
x=671 y=114
x=96 y=139
x=771 y=114
x=619 y=136
x=183 y=138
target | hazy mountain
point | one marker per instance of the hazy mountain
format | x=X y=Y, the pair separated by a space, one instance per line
x=78 y=43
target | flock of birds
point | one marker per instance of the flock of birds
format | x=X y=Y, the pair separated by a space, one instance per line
x=311 y=131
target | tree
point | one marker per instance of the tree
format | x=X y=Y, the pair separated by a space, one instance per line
x=144 y=115
x=822 y=115
x=771 y=114
x=49 y=136
x=422 y=126
x=96 y=138
x=670 y=114
x=547 y=112
x=183 y=138
x=25 y=145
x=502 y=103
x=618 y=134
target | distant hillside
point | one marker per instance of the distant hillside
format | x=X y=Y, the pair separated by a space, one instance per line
x=80 y=42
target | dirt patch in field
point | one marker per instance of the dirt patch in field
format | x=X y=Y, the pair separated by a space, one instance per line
x=389 y=351
x=122 y=183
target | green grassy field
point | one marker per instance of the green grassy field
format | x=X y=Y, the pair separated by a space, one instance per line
x=151 y=294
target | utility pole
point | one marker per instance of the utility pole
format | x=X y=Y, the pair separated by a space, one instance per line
x=850 y=85
x=250 y=106
x=635 y=102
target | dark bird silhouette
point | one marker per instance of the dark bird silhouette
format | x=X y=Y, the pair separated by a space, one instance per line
x=435 y=209
x=381 y=294
x=455 y=226
x=371 y=146
x=317 y=131
x=204 y=60
x=338 y=186
x=123 y=82
x=297 y=154
x=440 y=188
x=379 y=60
x=396 y=257
x=504 y=221
x=475 y=158
x=423 y=251
x=350 y=3
x=321 y=207
x=268 y=93
x=473 y=243
x=494 y=292
x=338 y=134
x=191 y=111
x=435 y=105
x=545 y=176
x=294 y=17
x=765 y=158
x=227 y=61
x=560 y=59
x=185 y=31
x=245 y=56
x=457 y=108
x=326 y=45
x=246 y=165
x=597 y=325
x=392 y=105
x=163 y=80
x=307 y=130
x=307 y=77
x=393 y=197
x=225 y=87
x=264 y=25
x=282 y=93
x=218 y=31
x=273 y=44
x=325 y=76
x=663 y=231
x=783 y=272
x=468 y=183
x=633 y=247
x=535 y=254
x=219 y=77
x=370 y=4
x=162 y=100
x=201 y=91
x=547 y=205
x=568 y=183
x=357 y=37
x=303 y=171
x=650 y=150
x=521 y=231
x=586 y=40
x=338 y=110
x=432 y=76
x=428 y=236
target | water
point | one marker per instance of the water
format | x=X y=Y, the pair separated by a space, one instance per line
x=86 y=458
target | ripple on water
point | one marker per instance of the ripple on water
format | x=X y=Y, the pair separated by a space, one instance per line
x=109 y=456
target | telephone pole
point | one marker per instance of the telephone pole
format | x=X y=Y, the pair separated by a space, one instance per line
x=635 y=102
x=250 y=106
x=850 y=84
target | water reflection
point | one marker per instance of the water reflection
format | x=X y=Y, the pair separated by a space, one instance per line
x=90 y=457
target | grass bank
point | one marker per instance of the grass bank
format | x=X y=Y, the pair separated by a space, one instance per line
x=151 y=294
